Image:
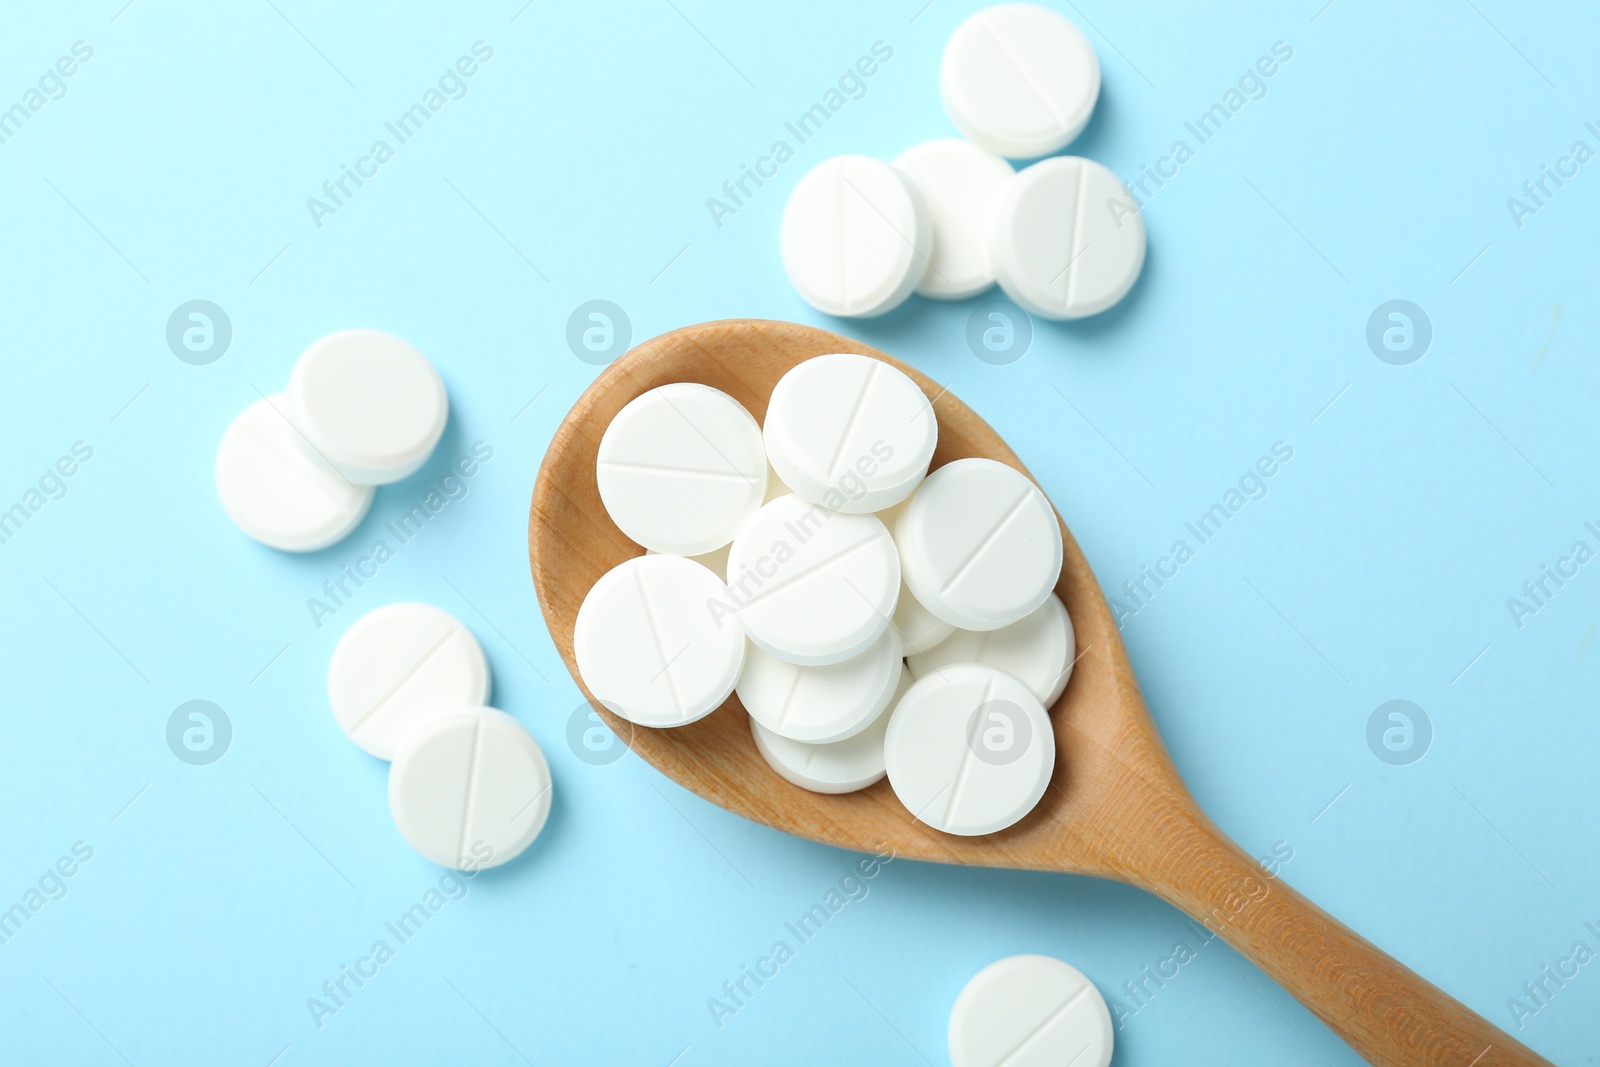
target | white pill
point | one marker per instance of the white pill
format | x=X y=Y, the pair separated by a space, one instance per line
x=961 y=185
x=1019 y=80
x=979 y=544
x=399 y=666
x=369 y=403
x=1066 y=241
x=681 y=468
x=469 y=789
x=855 y=238
x=278 y=491
x=656 y=643
x=850 y=432
x=1030 y=1011
x=810 y=585
x=969 y=750
x=820 y=705
x=841 y=767
x=1037 y=650
x=920 y=629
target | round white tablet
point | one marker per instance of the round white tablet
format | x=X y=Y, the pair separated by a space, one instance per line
x=657 y=641
x=819 y=705
x=813 y=586
x=1030 y=1011
x=961 y=186
x=919 y=629
x=849 y=432
x=840 y=767
x=279 y=492
x=399 y=666
x=969 y=750
x=855 y=239
x=681 y=468
x=470 y=789
x=369 y=403
x=1019 y=80
x=980 y=545
x=1066 y=241
x=1037 y=650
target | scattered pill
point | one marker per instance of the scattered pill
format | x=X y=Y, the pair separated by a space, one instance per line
x=1067 y=241
x=849 y=432
x=470 y=789
x=855 y=239
x=820 y=705
x=979 y=544
x=681 y=469
x=1030 y=1011
x=961 y=185
x=1037 y=650
x=652 y=645
x=397 y=667
x=1019 y=80
x=278 y=491
x=369 y=404
x=969 y=750
x=840 y=767
x=920 y=629
x=810 y=585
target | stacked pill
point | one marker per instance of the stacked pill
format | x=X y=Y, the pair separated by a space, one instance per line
x=949 y=218
x=297 y=470
x=469 y=787
x=873 y=618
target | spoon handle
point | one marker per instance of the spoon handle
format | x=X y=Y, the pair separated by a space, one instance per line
x=1388 y=1013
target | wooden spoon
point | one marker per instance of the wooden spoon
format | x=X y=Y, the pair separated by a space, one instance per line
x=1116 y=807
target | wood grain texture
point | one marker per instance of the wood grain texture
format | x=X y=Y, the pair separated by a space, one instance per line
x=1116 y=807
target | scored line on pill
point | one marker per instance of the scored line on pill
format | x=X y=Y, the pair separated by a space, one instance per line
x=866 y=542
x=907 y=241
x=661 y=648
x=300 y=434
x=964 y=768
x=294 y=465
x=1027 y=79
x=1044 y=1024
x=471 y=791
x=988 y=538
x=404 y=678
x=653 y=468
x=1077 y=228
x=788 y=699
x=855 y=417
x=732 y=466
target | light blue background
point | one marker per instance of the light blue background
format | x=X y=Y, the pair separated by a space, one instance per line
x=1377 y=166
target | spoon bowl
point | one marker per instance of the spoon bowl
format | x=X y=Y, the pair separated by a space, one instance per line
x=1116 y=806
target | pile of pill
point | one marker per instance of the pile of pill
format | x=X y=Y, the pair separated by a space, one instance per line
x=949 y=218
x=873 y=618
x=469 y=787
